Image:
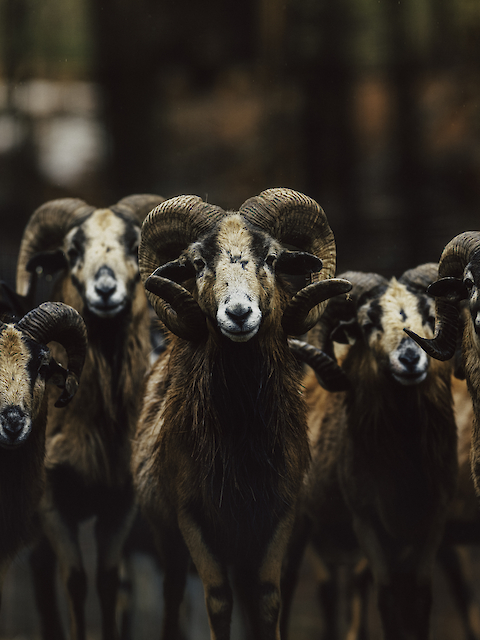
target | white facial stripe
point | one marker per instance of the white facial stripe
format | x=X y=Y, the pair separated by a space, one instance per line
x=407 y=361
x=236 y=288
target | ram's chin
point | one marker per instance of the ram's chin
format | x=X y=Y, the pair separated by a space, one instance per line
x=105 y=312
x=239 y=336
x=409 y=379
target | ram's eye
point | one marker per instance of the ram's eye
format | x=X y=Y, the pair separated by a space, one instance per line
x=74 y=251
x=199 y=264
x=468 y=282
x=270 y=260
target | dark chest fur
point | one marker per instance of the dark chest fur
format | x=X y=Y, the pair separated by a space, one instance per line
x=400 y=457
x=246 y=432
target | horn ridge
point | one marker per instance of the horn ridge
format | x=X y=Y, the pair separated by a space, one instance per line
x=294 y=218
x=166 y=232
x=137 y=206
x=45 y=231
x=458 y=253
x=63 y=324
x=420 y=277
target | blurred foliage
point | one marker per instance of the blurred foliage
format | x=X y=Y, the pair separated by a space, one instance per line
x=369 y=106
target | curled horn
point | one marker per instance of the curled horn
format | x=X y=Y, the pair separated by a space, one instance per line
x=295 y=219
x=137 y=206
x=166 y=232
x=449 y=291
x=421 y=277
x=341 y=309
x=329 y=374
x=45 y=231
x=57 y=321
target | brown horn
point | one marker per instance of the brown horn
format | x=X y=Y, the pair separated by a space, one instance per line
x=458 y=253
x=340 y=309
x=137 y=206
x=455 y=257
x=166 y=232
x=57 y=321
x=295 y=219
x=421 y=277
x=45 y=231
x=329 y=374
x=344 y=308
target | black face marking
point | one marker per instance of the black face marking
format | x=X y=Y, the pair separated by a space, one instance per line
x=403 y=315
x=425 y=311
x=374 y=315
x=375 y=293
x=38 y=362
x=237 y=258
x=130 y=238
x=208 y=246
x=77 y=247
x=105 y=271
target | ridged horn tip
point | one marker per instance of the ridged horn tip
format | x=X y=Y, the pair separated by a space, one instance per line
x=430 y=346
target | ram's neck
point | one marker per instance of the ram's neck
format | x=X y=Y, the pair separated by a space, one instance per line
x=406 y=428
x=116 y=361
x=238 y=409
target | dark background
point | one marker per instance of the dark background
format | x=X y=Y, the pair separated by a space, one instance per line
x=372 y=107
x=369 y=106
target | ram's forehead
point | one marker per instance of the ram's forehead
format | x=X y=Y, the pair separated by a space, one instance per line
x=104 y=221
x=14 y=352
x=233 y=234
x=401 y=305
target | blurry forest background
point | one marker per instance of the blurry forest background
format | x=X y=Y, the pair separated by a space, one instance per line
x=372 y=107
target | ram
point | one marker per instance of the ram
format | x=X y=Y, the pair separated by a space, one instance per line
x=221 y=448
x=384 y=463
x=26 y=364
x=457 y=313
x=94 y=252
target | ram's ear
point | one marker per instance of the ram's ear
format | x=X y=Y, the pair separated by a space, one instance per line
x=346 y=332
x=295 y=263
x=48 y=261
x=451 y=289
x=177 y=270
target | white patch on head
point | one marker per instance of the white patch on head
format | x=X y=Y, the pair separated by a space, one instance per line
x=107 y=272
x=17 y=402
x=404 y=358
x=237 y=290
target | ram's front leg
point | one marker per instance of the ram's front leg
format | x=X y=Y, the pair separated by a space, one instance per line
x=258 y=584
x=63 y=536
x=44 y=569
x=402 y=576
x=218 y=593
x=111 y=530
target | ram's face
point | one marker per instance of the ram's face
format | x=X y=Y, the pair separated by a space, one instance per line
x=235 y=277
x=24 y=366
x=383 y=320
x=102 y=256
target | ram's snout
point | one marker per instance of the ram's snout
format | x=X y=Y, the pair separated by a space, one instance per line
x=239 y=317
x=106 y=294
x=408 y=363
x=15 y=426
